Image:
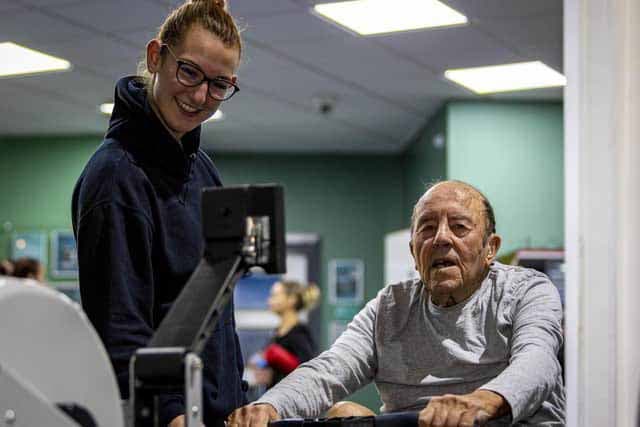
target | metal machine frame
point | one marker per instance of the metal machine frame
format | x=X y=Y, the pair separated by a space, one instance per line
x=243 y=228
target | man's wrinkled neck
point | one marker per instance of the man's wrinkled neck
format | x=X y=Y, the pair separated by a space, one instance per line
x=455 y=298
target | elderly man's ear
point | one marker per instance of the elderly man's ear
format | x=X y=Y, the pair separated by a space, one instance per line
x=415 y=265
x=494 y=246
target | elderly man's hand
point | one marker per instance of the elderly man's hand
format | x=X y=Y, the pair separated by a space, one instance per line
x=467 y=410
x=179 y=421
x=257 y=415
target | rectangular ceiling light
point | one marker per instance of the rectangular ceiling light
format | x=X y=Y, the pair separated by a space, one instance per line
x=217 y=116
x=19 y=60
x=367 y=17
x=507 y=77
x=106 y=108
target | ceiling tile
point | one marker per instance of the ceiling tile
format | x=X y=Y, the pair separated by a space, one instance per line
x=301 y=71
x=434 y=46
x=139 y=38
x=244 y=9
x=10 y=5
x=18 y=115
x=116 y=15
x=310 y=136
x=52 y=4
x=385 y=87
x=33 y=28
x=526 y=32
x=373 y=74
x=479 y=9
x=95 y=52
x=294 y=27
x=82 y=88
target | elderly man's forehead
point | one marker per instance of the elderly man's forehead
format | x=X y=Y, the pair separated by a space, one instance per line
x=449 y=195
x=454 y=191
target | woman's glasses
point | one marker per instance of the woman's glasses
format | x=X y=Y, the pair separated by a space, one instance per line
x=190 y=75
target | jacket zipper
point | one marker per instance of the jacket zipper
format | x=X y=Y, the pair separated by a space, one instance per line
x=189 y=169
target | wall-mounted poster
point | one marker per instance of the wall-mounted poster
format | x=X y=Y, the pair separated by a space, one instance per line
x=64 y=255
x=346 y=281
x=31 y=244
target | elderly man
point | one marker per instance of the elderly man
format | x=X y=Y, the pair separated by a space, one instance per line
x=474 y=340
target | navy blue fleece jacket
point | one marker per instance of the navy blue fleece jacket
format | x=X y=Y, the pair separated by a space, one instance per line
x=136 y=216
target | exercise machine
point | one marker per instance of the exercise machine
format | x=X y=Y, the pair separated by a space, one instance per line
x=55 y=372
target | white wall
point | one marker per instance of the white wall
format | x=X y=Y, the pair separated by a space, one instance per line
x=602 y=211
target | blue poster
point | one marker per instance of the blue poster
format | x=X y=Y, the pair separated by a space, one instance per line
x=31 y=244
x=64 y=255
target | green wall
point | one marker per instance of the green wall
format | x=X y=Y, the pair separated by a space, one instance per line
x=423 y=163
x=511 y=151
x=514 y=153
x=37 y=176
x=350 y=201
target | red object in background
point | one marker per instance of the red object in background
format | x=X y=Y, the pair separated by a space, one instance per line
x=281 y=359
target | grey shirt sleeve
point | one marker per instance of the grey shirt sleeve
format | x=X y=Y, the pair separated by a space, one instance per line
x=318 y=384
x=534 y=367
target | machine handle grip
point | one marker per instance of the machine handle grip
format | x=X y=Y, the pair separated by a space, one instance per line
x=397 y=419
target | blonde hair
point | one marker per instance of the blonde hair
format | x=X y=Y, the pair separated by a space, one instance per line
x=306 y=296
x=210 y=14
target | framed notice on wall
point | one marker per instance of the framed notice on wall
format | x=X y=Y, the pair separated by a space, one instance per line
x=64 y=255
x=346 y=281
x=30 y=244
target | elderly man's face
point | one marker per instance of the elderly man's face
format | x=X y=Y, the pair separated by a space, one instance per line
x=447 y=242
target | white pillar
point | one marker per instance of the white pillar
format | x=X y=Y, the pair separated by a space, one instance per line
x=602 y=211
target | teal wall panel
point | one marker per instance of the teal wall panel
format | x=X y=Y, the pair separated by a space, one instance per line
x=351 y=202
x=37 y=176
x=513 y=152
x=424 y=163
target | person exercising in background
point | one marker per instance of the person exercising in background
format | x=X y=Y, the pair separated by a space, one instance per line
x=136 y=205
x=28 y=268
x=472 y=342
x=292 y=343
x=6 y=267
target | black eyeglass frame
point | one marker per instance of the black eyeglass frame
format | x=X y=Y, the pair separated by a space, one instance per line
x=206 y=79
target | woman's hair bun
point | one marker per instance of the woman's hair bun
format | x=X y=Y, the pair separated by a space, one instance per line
x=219 y=3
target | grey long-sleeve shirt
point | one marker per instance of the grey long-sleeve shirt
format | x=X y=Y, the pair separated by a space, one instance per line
x=504 y=338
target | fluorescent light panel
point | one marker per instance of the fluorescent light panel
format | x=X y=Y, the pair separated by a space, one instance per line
x=507 y=77
x=367 y=17
x=219 y=115
x=107 y=108
x=20 y=60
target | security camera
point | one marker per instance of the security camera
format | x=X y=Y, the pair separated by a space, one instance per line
x=324 y=105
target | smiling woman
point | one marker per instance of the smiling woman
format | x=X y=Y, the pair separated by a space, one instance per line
x=181 y=93
x=136 y=205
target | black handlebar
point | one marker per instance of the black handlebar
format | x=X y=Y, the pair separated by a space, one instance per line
x=398 y=419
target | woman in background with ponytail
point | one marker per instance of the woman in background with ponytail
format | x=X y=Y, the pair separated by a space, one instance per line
x=292 y=343
x=136 y=205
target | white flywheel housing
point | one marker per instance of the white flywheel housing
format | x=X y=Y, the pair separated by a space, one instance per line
x=48 y=341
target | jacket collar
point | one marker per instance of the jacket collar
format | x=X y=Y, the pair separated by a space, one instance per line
x=135 y=124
